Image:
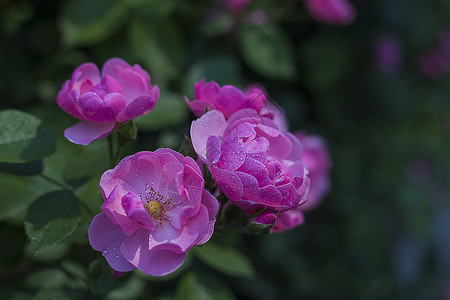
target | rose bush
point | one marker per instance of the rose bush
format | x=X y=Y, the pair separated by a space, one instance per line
x=155 y=209
x=119 y=93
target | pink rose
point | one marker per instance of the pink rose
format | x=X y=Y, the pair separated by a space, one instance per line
x=236 y=6
x=388 y=54
x=155 y=209
x=318 y=163
x=120 y=93
x=253 y=163
x=227 y=99
x=335 y=12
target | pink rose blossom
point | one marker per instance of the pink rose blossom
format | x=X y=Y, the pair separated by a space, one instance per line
x=155 y=209
x=335 y=12
x=434 y=63
x=253 y=163
x=227 y=99
x=388 y=54
x=318 y=163
x=236 y=6
x=119 y=93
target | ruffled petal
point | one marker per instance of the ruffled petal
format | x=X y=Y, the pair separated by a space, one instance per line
x=85 y=132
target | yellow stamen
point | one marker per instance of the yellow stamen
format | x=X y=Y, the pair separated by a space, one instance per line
x=154 y=208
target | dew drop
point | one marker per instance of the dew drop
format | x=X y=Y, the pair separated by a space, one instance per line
x=105 y=251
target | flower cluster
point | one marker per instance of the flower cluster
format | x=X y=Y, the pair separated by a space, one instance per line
x=253 y=159
x=156 y=206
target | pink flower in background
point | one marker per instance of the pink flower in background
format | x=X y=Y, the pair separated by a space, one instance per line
x=119 y=93
x=335 y=12
x=227 y=99
x=236 y=6
x=318 y=163
x=434 y=63
x=251 y=161
x=155 y=209
x=388 y=54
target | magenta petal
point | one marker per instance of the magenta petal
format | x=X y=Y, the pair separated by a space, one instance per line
x=199 y=107
x=229 y=100
x=116 y=102
x=95 y=109
x=105 y=236
x=110 y=66
x=135 y=210
x=85 y=132
x=288 y=220
x=157 y=261
x=68 y=104
x=228 y=182
x=212 y=205
x=212 y=149
x=140 y=106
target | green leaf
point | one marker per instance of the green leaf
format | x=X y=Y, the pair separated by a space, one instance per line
x=160 y=46
x=221 y=69
x=25 y=169
x=54 y=294
x=86 y=22
x=24 y=138
x=202 y=287
x=267 y=50
x=46 y=278
x=154 y=8
x=226 y=260
x=51 y=219
x=17 y=193
x=170 y=110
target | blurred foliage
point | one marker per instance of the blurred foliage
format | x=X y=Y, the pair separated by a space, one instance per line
x=382 y=233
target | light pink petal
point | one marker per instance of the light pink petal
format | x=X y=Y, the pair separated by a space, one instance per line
x=233 y=155
x=110 y=66
x=157 y=261
x=211 y=123
x=105 y=236
x=85 y=132
x=133 y=84
x=87 y=71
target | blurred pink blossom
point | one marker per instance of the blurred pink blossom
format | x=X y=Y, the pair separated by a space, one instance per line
x=334 y=12
x=434 y=63
x=119 y=93
x=155 y=209
x=388 y=54
x=318 y=163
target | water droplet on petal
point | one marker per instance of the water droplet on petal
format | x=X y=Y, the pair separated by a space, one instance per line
x=105 y=251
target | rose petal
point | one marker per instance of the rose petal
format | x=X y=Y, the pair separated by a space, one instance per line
x=105 y=236
x=157 y=261
x=85 y=132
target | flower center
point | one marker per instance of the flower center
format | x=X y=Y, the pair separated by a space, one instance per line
x=154 y=208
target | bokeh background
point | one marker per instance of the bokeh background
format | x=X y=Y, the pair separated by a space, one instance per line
x=376 y=89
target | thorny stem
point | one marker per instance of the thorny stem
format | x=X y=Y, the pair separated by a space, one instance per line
x=69 y=189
